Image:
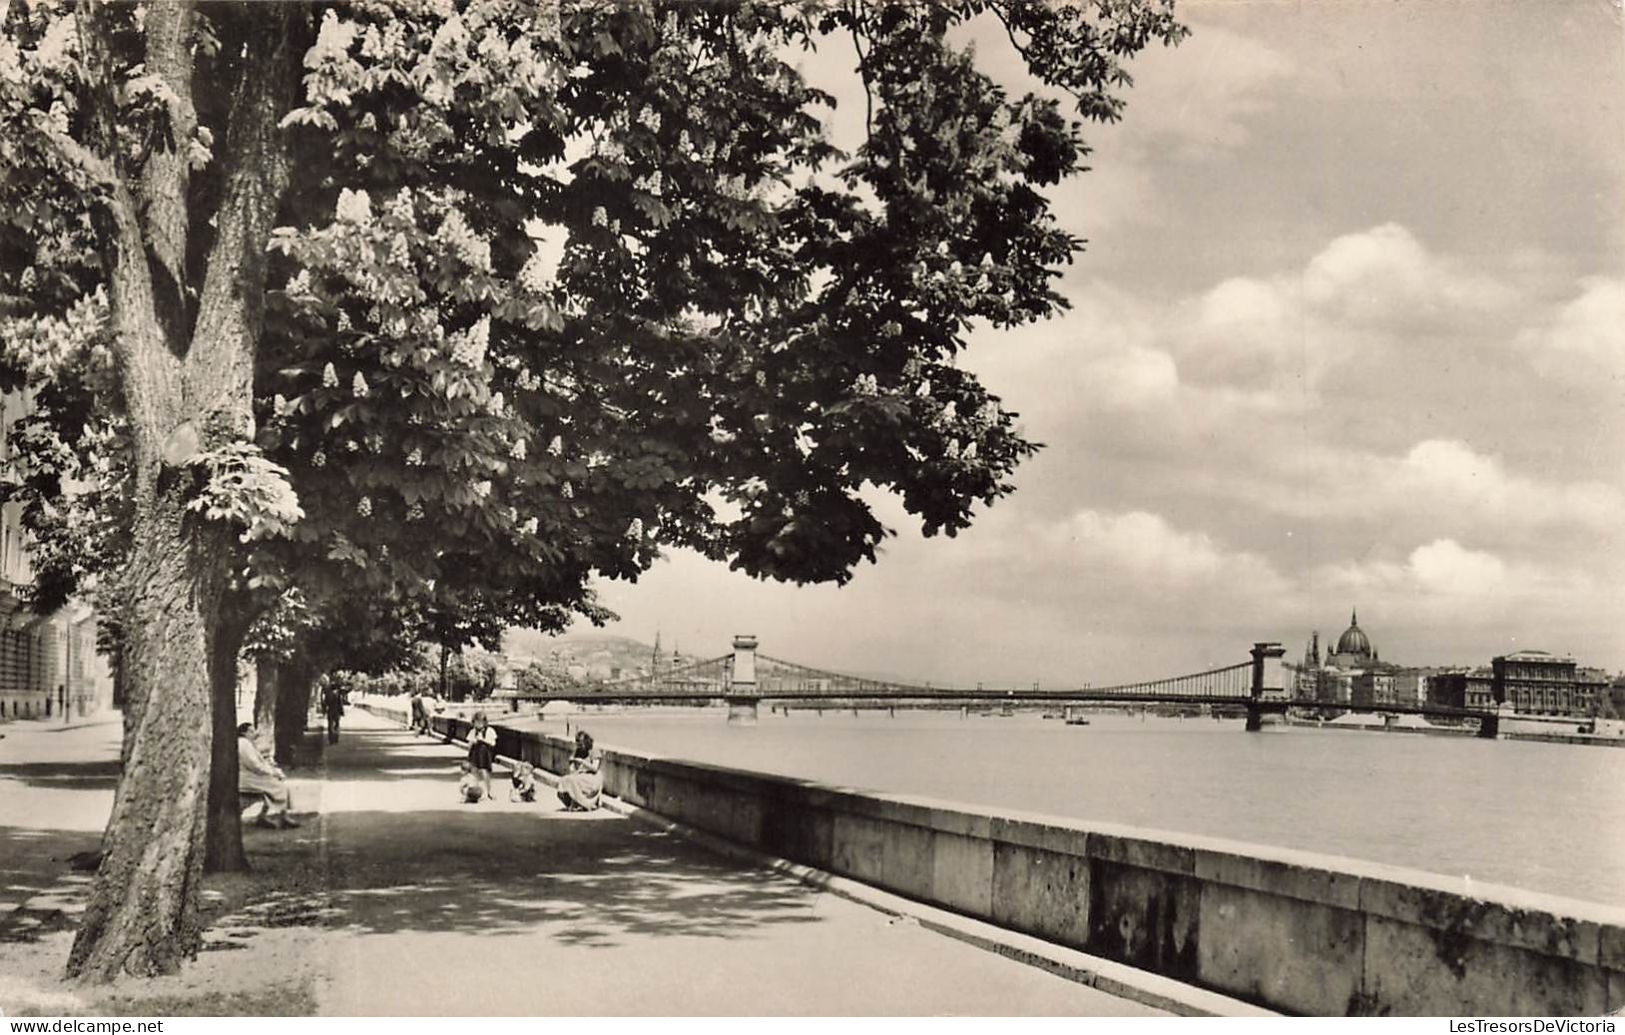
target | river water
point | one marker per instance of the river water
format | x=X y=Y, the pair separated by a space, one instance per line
x=1548 y=817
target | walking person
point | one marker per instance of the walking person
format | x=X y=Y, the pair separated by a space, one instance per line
x=333 y=708
x=482 y=750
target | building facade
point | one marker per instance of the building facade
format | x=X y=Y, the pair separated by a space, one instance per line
x=48 y=663
x=1462 y=688
x=1537 y=683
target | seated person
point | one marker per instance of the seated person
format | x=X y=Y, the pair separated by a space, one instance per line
x=580 y=787
x=258 y=778
x=469 y=788
x=524 y=783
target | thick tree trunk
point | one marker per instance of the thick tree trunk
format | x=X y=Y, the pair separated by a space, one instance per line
x=142 y=913
x=224 y=841
x=267 y=688
x=185 y=337
x=292 y=709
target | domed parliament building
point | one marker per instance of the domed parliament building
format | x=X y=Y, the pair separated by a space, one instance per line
x=1352 y=672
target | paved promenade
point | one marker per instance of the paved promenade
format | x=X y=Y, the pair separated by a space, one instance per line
x=394 y=898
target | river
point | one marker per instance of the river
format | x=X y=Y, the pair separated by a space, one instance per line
x=1548 y=817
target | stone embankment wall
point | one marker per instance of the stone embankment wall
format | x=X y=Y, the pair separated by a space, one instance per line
x=1289 y=930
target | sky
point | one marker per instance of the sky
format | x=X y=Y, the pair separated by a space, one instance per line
x=1349 y=332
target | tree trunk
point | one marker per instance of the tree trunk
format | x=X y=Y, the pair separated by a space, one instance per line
x=267 y=687
x=184 y=346
x=292 y=709
x=142 y=914
x=224 y=840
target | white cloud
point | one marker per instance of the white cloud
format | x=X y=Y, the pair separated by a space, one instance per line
x=1361 y=300
x=1445 y=567
x=1586 y=337
x=1385 y=274
x=1442 y=568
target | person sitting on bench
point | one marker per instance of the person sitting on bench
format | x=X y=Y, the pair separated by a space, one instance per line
x=263 y=780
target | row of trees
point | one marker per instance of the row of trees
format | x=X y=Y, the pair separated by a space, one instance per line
x=353 y=326
x=469 y=675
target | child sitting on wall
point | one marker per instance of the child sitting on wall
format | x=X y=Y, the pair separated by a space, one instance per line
x=524 y=783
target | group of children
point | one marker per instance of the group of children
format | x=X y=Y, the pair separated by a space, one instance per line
x=475 y=785
x=578 y=790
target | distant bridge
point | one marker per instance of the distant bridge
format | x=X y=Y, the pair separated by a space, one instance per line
x=744 y=677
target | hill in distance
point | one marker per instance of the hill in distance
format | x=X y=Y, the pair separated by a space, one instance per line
x=600 y=654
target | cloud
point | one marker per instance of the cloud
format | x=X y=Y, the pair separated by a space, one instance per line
x=1189 y=105
x=1359 y=301
x=1197 y=99
x=1384 y=274
x=1585 y=339
x=1441 y=568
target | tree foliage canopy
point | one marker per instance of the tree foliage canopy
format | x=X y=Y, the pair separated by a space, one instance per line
x=551 y=289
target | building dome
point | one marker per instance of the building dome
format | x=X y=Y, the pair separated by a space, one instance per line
x=1354 y=641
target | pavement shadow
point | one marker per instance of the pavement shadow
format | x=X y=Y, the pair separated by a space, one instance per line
x=590 y=880
x=69 y=776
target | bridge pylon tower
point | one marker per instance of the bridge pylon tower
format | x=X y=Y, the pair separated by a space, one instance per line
x=1269 y=676
x=742 y=699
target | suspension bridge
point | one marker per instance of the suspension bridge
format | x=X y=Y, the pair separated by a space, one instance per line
x=1262 y=684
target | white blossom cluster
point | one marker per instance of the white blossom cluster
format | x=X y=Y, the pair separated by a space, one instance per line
x=330 y=376
x=467 y=245
x=533 y=274
x=354 y=207
x=468 y=347
x=364 y=506
x=866 y=386
x=518 y=450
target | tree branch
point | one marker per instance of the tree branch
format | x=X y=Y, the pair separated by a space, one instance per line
x=863 y=76
x=165 y=172
x=254 y=165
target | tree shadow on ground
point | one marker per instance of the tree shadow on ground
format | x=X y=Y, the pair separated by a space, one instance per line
x=591 y=881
